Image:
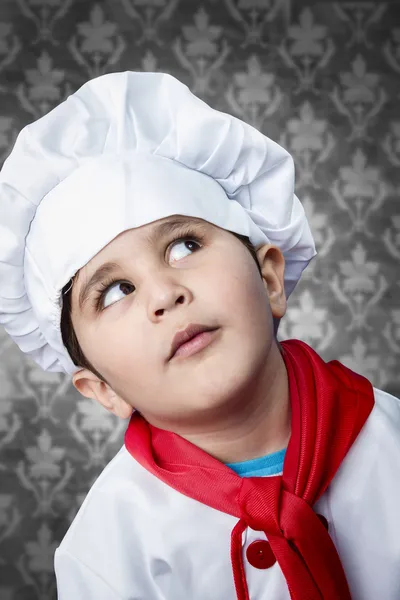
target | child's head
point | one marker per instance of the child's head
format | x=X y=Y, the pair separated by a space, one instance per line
x=190 y=272
x=103 y=174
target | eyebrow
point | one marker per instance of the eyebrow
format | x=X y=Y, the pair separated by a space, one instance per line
x=159 y=232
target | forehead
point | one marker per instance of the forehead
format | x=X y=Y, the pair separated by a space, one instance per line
x=147 y=235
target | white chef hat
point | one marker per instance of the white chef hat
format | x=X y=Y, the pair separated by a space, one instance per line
x=127 y=149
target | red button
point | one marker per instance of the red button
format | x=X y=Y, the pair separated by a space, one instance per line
x=260 y=555
x=324 y=521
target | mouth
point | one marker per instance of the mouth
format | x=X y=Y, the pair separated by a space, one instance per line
x=195 y=344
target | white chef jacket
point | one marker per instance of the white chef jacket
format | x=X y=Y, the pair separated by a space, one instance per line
x=136 y=538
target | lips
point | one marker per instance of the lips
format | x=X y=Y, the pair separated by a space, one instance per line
x=181 y=337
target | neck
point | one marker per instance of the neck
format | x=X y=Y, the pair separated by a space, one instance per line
x=259 y=426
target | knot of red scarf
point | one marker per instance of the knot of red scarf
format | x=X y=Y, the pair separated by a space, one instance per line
x=329 y=406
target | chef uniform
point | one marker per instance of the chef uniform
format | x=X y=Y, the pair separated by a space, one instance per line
x=165 y=520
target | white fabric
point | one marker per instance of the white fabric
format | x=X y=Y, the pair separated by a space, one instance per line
x=135 y=538
x=125 y=150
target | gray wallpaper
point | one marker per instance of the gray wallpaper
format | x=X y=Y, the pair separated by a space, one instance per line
x=321 y=78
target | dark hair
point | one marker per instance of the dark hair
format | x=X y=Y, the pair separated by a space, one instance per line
x=68 y=335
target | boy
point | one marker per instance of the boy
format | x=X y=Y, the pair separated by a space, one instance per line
x=250 y=468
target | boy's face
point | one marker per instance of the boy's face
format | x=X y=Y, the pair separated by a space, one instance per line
x=210 y=278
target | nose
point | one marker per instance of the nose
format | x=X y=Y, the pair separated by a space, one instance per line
x=179 y=300
x=166 y=296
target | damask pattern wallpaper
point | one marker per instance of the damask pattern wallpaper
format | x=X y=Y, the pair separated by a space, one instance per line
x=321 y=78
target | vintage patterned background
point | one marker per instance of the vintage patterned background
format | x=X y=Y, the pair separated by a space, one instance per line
x=323 y=79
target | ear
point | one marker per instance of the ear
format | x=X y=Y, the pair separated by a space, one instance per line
x=90 y=386
x=272 y=264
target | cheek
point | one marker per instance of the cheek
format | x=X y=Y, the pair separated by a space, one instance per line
x=250 y=304
x=118 y=352
x=240 y=290
x=240 y=302
x=129 y=368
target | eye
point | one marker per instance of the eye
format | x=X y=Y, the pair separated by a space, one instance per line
x=185 y=241
x=114 y=286
x=118 y=286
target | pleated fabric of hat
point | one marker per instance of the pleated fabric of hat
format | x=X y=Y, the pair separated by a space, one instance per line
x=125 y=150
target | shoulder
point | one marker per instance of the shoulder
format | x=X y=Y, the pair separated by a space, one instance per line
x=117 y=503
x=122 y=484
x=125 y=505
x=103 y=547
x=383 y=424
x=120 y=539
x=362 y=506
x=382 y=428
x=375 y=454
x=387 y=407
x=101 y=555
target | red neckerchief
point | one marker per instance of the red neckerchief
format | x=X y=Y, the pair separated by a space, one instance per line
x=330 y=404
